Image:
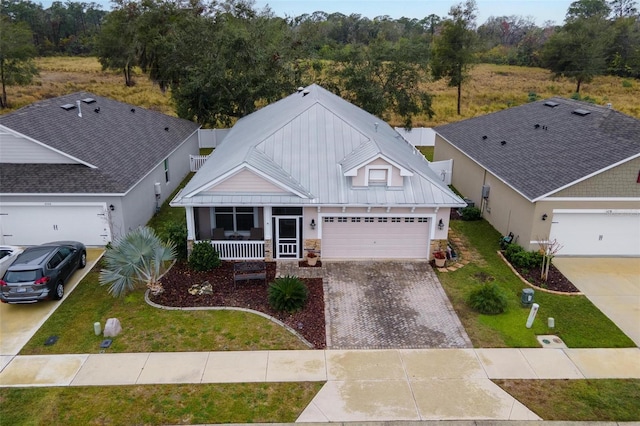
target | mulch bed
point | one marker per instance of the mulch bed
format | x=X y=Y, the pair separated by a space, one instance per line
x=251 y=294
x=556 y=281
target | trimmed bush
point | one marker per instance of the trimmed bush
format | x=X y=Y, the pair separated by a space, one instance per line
x=204 y=257
x=488 y=299
x=522 y=259
x=470 y=213
x=287 y=294
x=176 y=232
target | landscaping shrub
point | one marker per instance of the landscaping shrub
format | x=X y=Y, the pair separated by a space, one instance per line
x=287 y=294
x=488 y=299
x=470 y=213
x=204 y=257
x=176 y=232
x=522 y=259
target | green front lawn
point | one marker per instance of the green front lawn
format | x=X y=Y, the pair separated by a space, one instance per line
x=578 y=400
x=148 y=329
x=577 y=321
x=157 y=404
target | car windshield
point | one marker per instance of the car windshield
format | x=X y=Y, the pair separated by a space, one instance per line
x=22 y=276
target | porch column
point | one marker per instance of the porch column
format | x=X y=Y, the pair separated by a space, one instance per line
x=268 y=232
x=191 y=228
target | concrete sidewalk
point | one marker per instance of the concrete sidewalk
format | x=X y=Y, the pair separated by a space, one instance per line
x=364 y=385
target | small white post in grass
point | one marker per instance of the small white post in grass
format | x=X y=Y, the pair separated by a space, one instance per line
x=97 y=328
x=551 y=322
x=532 y=314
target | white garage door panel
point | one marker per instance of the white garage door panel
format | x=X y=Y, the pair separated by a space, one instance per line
x=375 y=240
x=33 y=225
x=597 y=234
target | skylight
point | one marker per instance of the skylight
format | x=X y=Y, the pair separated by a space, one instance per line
x=67 y=107
x=88 y=100
x=551 y=104
x=581 y=112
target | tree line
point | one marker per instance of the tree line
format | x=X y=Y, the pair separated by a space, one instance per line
x=225 y=58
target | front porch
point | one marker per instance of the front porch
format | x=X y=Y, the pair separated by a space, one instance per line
x=249 y=233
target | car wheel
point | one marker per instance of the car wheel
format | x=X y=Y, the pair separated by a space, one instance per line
x=83 y=260
x=58 y=291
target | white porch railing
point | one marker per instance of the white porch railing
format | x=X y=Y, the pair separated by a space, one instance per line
x=239 y=250
x=196 y=161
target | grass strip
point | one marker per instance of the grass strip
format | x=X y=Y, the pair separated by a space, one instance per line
x=157 y=404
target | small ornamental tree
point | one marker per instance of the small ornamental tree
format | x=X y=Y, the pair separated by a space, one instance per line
x=548 y=248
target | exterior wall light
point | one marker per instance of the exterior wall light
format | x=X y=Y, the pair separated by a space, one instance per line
x=544 y=216
x=441 y=225
x=112 y=207
x=313 y=224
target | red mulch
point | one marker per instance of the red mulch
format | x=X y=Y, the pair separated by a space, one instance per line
x=251 y=294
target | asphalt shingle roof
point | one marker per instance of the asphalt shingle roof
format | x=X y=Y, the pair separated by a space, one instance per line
x=538 y=149
x=122 y=141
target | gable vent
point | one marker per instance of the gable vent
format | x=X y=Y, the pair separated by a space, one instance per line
x=551 y=104
x=67 y=107
x=88 y=100
x=581 y=112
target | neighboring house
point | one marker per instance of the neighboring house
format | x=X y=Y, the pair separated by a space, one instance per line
x=314 y=172
x=554 y=169
x=87 y=168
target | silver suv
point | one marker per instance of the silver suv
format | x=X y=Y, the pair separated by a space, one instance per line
x=40 y=272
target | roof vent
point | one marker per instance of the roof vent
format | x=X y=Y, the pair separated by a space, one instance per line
x=166 y=129
x=305 y=92
x=537 y=126
x=67 y=107
x=484 y=138
x=133 y=110
x=503 y=143
x=96 y=110
x=551 y=104
x=581 y=112
x=88 y=100
x=300 y=89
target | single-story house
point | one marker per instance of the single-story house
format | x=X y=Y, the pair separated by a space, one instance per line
x=556 y=169
x=313 y=172
x=87 y=168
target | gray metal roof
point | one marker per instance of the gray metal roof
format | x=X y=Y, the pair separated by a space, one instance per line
x=124 y=142
x=546 y=148
x=304 y=142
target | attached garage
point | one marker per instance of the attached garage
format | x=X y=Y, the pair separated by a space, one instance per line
x=33 y=224
x=597 y=232
x=345 y=237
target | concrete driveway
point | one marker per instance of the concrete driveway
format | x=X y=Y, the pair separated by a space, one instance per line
x=388 y=304
x=612 y=284
x=18 y=323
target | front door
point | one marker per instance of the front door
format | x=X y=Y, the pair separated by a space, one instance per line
x=287 y=237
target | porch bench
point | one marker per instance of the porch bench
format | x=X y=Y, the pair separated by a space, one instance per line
x=252 y=270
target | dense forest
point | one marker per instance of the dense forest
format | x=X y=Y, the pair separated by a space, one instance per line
x=222 y=60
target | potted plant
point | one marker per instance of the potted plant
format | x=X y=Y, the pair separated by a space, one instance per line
x=440 y=258
x=312 y=258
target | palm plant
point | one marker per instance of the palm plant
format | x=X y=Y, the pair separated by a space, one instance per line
x=139 y=257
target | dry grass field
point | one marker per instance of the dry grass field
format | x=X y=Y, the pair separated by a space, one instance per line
x=490 y=88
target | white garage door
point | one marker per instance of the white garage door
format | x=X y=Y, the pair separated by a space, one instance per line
x=36 y=224
x=597 y=232
x=375 y=237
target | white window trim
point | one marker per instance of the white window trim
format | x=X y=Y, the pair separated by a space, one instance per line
x=368 y=169
x=212 y=213
x=167 y=174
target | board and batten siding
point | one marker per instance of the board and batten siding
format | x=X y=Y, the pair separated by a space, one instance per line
x=18 y=150
x=246 y=181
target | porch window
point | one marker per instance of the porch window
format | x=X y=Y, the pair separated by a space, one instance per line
x=235 y=219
